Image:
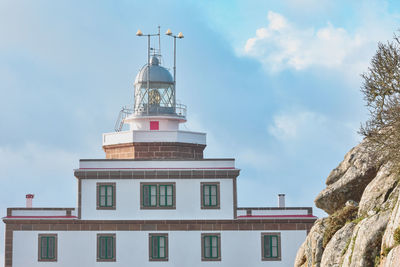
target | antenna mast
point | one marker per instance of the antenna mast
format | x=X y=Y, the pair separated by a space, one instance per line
x=159 y=42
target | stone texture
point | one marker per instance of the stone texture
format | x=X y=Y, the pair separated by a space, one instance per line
x=392 y=259
x=366 y=241
x=348 y=180
x=310 y=252
x=336 y=248
x=394 y=222
x=378 y=191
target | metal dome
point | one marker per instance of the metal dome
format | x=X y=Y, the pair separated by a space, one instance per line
x=158 y=74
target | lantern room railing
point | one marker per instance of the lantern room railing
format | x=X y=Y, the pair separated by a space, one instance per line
x=154 y=110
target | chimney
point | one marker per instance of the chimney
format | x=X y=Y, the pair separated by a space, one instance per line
x=29 y=198
x=281 y=200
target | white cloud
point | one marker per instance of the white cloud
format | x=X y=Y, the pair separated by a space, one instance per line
x=290 y=126
x=283 y=45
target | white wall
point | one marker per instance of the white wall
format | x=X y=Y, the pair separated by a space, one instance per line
x=164 y=124
x=153 y=136
x=238 y=249
x=158 y=164
x=188 y=200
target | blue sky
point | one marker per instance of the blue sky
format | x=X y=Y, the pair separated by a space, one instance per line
x=275 y=84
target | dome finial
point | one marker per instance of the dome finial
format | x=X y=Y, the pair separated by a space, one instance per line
x=154 y=61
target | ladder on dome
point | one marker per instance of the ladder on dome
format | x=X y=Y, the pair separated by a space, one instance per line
x=125 y=112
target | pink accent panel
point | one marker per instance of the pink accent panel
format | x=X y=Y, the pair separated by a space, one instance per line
x=280 y=216
x=40 y=217
x=154 y=125
x=203 y=168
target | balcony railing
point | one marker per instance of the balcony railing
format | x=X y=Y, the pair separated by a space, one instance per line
x=152 y=110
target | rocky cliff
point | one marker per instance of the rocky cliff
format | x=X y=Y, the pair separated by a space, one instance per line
x=363 y=226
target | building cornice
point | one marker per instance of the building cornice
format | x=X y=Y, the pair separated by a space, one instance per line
x=156 y=174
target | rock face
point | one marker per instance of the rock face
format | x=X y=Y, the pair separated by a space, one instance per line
x=367 y=240
x=392 y=259
x=310 y=252
x=337 y=247
x=348 y=180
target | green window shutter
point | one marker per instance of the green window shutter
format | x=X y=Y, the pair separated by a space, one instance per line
x=206 y=195
x=166 y=195
x=106 y=247
x=161 y=247
x=110 y=192
x=158 y=247
x=154 y=249
x=43 y=247
x=210 y=195
x=213 y=195
x=274 y=246
x=106 y=195
x=110 y=248
x=47 y=247
x=50 y=247
x=211 y=250
x=149 y=195
x=271 y=246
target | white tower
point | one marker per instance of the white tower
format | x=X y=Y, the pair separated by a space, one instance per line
x=154 y=120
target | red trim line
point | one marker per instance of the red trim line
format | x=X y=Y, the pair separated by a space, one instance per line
x=280 y=216
x=225 y=168
x=40 y=217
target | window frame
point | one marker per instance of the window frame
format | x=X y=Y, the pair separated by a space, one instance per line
x=98 y=195
x=158 y=235
x=203 y=257
x=158 y=195
x=264 y=237
x=106 y=235
x=55 y=248
x=202 y=195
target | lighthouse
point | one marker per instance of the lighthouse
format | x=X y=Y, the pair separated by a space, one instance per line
x=155 y=199
x=155 y=118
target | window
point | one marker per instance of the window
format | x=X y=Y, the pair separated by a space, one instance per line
x=210 y=195
x=106 y=196
x=271 y=246
x=106 y=247
x=166 y=195
x=47 y=247
x=211 y=247
x=157 y=195
x=158 y=247
x=149 y=195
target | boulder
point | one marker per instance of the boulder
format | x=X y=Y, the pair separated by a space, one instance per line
x=337 y=246
x=310 y=252
x=392 y=259
x=394 y=222
x=378 y=191
x=348 y=180
x=366 y=241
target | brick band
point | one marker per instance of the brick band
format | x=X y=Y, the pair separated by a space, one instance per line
x=154 y=150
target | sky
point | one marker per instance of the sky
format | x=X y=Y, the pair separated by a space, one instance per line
x=274 y=84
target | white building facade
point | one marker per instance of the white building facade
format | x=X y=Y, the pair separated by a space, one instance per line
x=155 y=200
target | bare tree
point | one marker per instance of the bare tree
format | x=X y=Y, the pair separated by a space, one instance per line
x=381 y=89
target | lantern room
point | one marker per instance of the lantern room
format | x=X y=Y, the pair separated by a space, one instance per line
x=154 y=90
